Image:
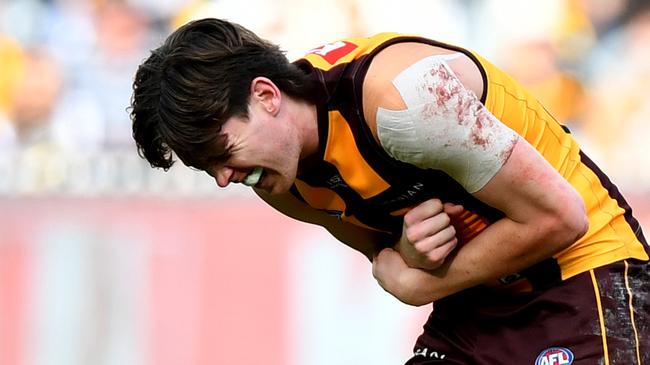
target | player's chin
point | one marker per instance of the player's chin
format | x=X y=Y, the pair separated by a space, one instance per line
x=276 y=185
x=279 y=189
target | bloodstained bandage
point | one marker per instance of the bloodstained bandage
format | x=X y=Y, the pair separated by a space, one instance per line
x=444 y=126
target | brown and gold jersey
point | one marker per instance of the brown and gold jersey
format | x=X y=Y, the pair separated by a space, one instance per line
x=355 y=179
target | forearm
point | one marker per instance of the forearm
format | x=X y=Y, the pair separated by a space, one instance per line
x=503 y=248
x=366 y=241
x=543 y=215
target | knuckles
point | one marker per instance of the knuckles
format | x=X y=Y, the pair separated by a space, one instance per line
x=426 y=209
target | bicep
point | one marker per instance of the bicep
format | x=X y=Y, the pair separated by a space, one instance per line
x=430 y=119
x=527 y=187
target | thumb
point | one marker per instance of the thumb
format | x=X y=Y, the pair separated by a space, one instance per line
x=387 y=266
x=453 y=210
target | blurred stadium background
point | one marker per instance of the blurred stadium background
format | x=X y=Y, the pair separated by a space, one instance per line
x=106 y=261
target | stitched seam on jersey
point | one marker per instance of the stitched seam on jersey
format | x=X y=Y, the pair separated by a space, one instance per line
x=601 y=317
x=600 y=206
x=594 y=194
x=537 y=113
x=592 y=188
x=631 y=307
x=609 y=213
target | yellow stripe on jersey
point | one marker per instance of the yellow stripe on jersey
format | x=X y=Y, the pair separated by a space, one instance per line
x=601 y=317
x=342 y=152
x=320 y=198
x=326 y=199
x=609 y=238
x=611 y=235
x=631 y=307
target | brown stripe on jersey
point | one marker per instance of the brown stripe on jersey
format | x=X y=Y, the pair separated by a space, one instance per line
x=326 y=175
x=294 y=191
x=343 y=153
x=543 y=274
x=615 y=194
x=321 y=198
x=478 y=326
x=341 y=91
x=402 y=176
x=396 y=172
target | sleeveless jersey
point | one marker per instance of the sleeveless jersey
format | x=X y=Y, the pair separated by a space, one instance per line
x=359 y=182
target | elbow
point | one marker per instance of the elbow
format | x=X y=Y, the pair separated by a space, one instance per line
x=417 y=303
x=414 y=299
x=571 y=225
x=408 y=291
x=578 y=222
x=420 y=302
x=414 y=295
x=581 y=227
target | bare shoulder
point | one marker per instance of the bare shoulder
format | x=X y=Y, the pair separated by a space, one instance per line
x=378 y=88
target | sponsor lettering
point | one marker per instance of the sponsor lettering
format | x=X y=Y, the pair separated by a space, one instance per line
x=409 y=193
x=431 y=354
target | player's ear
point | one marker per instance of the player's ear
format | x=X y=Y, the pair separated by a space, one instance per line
x=264 y=91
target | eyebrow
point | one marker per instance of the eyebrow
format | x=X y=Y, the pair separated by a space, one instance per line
x=216 y=158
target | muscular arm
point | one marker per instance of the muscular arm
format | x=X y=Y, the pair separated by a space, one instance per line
x=426 y=240
x=366 y=241
x=543 y=213
x=543 y=216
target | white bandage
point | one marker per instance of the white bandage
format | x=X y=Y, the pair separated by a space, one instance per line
x=445 y=126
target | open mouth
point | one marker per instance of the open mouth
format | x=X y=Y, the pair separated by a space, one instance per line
x=253 y=177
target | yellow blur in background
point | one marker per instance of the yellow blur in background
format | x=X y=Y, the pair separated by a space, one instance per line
x=104 y=260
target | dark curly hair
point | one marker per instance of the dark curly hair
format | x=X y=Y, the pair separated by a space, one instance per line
x=197 y=79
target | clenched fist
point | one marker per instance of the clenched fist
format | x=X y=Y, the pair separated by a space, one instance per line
x=427 y=234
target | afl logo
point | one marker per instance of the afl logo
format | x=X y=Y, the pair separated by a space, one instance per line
x=555 y=356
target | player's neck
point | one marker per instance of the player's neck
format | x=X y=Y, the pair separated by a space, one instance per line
x=306 y=121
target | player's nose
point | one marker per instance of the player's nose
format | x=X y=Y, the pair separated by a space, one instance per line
x=223 y=176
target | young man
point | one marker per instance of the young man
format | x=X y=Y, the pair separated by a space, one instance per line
x=451 y=178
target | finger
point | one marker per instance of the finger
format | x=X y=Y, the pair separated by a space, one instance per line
x=434 y=258
x=422 y=211
x=437 y=256
x=431 y=226
x=389 y=260
x=453 y=210
x=428 y=227
x=441 y=238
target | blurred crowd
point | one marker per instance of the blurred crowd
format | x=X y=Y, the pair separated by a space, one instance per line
x=66 y=68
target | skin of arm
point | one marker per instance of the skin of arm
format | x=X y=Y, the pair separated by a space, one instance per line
x=429 y=222
x=543 y=212
x=366 y=241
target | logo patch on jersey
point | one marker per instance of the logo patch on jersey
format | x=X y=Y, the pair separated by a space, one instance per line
x=336 y=181
x=333 y=52
x=555 y=356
